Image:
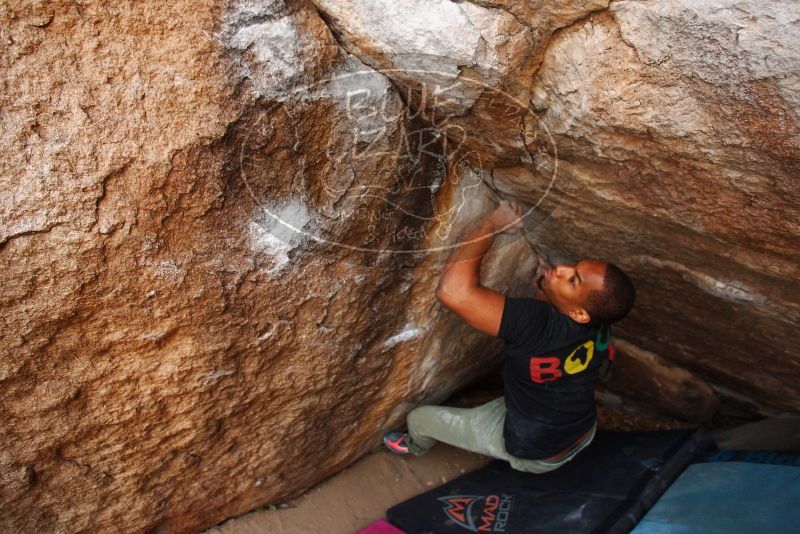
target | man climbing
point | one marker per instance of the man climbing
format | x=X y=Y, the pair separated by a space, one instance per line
x=556 y=345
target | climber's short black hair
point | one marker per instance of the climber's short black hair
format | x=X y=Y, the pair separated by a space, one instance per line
x=615 y=300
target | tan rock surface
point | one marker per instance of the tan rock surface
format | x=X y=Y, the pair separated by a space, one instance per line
x=669 y=389
x=464 y=67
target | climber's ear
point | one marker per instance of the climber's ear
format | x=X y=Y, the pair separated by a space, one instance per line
x=579 y=315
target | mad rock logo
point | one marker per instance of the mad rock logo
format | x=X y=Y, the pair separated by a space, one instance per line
x=478 y=513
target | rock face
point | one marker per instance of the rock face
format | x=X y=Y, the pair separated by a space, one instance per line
x=665 y=388
x=677 y=129
x=662 y=136
x=221 y=226
x=206 y=272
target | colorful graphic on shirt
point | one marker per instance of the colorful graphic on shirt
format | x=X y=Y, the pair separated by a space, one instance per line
x=549 y=368
x=579 y=360
x=478 y=513
x=545 y=369
x=599 y=342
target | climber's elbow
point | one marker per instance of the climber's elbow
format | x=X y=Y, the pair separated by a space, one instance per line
x=450 y=292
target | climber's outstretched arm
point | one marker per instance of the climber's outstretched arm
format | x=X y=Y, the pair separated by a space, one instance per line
x=460 y=288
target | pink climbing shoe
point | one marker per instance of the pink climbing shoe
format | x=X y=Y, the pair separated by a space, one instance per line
x=397 y=442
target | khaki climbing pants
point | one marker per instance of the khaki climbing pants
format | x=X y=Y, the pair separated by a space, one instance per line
x=479 y=430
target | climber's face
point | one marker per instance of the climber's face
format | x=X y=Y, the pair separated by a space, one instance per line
x=567 y=287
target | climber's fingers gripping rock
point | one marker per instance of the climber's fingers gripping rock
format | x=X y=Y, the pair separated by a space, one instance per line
x=507 y=217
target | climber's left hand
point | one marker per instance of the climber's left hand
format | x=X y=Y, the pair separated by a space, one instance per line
x=507 y=217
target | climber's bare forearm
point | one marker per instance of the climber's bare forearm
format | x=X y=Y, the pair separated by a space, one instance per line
x=462 y=270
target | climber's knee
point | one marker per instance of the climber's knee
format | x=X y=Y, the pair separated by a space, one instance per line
x=421 y=416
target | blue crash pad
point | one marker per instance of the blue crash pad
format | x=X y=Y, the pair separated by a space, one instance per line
x=730 y=497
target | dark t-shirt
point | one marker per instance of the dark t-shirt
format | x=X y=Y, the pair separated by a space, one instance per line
x=551 y=367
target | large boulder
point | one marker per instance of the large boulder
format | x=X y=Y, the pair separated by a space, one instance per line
x=218 y=263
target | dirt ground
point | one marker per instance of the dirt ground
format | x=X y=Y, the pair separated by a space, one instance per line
x=361 y=493
x=358 y=495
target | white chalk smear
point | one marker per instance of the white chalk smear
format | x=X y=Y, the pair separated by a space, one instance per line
x=279 y=232
x=732 y=291
x=216 y=375
x=405 y=335
x=272 y=53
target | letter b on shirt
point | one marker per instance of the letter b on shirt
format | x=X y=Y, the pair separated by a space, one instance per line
x=545 y=369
